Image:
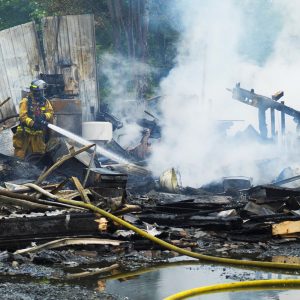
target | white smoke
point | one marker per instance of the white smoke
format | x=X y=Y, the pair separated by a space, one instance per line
x=121 y=94
x=209 y=60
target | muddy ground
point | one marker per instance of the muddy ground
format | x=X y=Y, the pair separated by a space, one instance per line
x=44 y=275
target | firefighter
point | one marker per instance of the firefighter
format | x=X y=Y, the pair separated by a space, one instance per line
x=35 y=113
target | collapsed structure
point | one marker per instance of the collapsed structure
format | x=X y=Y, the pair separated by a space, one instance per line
x=218 y=218
x=263 y=103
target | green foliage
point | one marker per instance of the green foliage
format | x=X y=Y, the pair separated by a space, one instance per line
x=73 y=7
x=15 y=12
x=162 y=39
x=161 y=36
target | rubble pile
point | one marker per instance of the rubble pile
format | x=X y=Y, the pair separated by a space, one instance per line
x=46 y=213
x=235 y=220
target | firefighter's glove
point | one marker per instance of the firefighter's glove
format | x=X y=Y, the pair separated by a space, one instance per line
x=41 y=121
x=36 y=126
x=44 y=123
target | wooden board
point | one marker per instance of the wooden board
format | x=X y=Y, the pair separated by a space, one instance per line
x=286 y=227
x=69 y=45
x=286 y=259
x=21 y=62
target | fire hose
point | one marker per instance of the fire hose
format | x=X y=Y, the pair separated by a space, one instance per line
x=222 y=260
x=282 y=283
x=236 y=286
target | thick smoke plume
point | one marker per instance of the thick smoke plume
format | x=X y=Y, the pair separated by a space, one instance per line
x=224 y=42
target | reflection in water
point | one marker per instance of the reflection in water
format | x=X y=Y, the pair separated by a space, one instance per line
x=258 y=295
x=139 y=287
x=163 y=282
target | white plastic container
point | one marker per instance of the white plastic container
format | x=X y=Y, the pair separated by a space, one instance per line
x=97 y=131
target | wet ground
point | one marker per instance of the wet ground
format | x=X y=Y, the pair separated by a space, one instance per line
x=162 y=282
x=37 y=291
x=148 y=274
x=140 y=276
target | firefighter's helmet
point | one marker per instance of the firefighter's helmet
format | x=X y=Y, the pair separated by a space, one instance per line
x=38 y=87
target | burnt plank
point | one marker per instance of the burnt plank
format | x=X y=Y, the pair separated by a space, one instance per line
x=271 y=193
x=59 y=225
x=194 y=221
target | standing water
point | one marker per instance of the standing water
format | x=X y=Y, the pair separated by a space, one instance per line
x=161 y=281
x=100 y=150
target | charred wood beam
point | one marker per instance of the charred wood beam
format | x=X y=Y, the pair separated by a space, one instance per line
x=72 y=224
x=177 y=199
x=195 y=221
x=272 y=218
x=272 y=112
x=253 y=238
x=80 y=189
x=62 y=160
x=68 y=242
x=259 y=101
x=189 y=211
x=140 y=245
x=282 y=121
x=25 y=205
x=14 y=197
x=92 y=272
x=20 y=196
x=262 y=122
x=271 y=193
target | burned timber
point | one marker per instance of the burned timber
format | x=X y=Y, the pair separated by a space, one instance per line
x=73 y=204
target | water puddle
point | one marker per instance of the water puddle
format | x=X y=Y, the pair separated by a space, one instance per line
x=162 y=282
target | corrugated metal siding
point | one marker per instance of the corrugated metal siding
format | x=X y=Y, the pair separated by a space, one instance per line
x=69 y=45
x=20 y=62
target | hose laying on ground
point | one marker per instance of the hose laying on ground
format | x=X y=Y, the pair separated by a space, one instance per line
x=225 y=287
x=162 y=243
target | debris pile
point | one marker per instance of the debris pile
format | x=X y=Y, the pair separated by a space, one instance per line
x=190 y=218
x=46 y=200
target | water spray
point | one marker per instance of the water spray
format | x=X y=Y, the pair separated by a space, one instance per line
x=100 y=150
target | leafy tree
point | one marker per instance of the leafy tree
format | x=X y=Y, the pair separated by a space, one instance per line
x=15 y=12
x=136 y=29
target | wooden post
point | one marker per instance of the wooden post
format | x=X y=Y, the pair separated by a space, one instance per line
x=282 y=121
x=262 y=122
x=272 y=111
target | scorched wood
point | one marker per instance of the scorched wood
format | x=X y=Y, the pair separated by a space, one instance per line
x=27 y=229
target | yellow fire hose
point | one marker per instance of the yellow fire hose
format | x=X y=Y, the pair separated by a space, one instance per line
x=282 y=283
x=234 y=286
x=222 y=260
x=162 y=243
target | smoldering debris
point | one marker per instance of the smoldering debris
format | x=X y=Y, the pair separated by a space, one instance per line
x=50 y=206
x=45 y=218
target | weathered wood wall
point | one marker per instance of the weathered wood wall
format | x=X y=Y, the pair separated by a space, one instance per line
x=69 y=48
x=20 y=61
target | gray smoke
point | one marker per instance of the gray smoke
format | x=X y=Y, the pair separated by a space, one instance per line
x=214 y=52
x=121 y=94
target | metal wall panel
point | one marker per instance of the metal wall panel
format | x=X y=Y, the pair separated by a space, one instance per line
x=20 y=61
x=69 y=47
